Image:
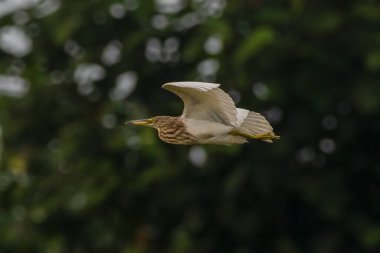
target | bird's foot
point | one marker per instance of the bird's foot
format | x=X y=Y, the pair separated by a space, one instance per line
x=267 y=137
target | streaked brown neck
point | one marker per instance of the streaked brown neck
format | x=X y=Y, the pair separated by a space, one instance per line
x=173 y=130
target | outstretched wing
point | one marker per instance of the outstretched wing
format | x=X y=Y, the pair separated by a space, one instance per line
x=204 y=101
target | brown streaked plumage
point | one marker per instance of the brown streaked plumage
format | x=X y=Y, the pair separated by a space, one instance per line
x=172 y=130
x=209 y=117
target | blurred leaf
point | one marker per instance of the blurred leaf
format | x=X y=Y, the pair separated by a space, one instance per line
x=373 y=61
x=368 y=11
x=366 y=98
x=181 y=242
x=370 y=236
x=254 y=43
x=323 y=23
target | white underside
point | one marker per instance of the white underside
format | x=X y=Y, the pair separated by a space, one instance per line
x=224 y=140
x=241 y=115
x=212 y=132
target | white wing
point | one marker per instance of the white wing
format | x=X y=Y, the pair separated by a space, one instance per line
x=204 y=101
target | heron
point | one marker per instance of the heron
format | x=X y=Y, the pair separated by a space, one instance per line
x=209 y=117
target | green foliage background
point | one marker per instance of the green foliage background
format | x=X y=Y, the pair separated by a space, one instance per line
x=73 y=178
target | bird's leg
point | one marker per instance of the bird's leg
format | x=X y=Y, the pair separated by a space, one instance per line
x=269 y=136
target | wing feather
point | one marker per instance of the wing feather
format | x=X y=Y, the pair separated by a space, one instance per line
x=253 y=122
x=204 y=101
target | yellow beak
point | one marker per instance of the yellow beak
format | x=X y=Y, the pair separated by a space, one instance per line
x=141 y=122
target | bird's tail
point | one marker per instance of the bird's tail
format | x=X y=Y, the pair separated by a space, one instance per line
x=255 y=126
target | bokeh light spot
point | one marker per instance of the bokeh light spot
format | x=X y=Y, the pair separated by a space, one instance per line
x=134 y=142
x=197 y=156
x=125 y=85
x=86 y=74
x=169 y=6
x=162 y=52
x=109 y=121
x=117 y=10
x=208 y=67
x=14 y=41
x=260 y=90
x=160 y=22
x=327 y=145
x=72 y=48
x=9 y=6
x=13 y=86
x=213 y=44
x=112 y=53
x=306 y=154
x=153 y=49
x=131 y=5
x=46 y=8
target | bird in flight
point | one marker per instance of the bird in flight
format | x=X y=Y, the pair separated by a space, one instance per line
x=209 y=117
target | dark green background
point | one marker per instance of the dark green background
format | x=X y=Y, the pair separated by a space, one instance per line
x=73 y=178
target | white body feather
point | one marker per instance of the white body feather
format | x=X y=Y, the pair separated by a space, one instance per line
x=209 y=132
